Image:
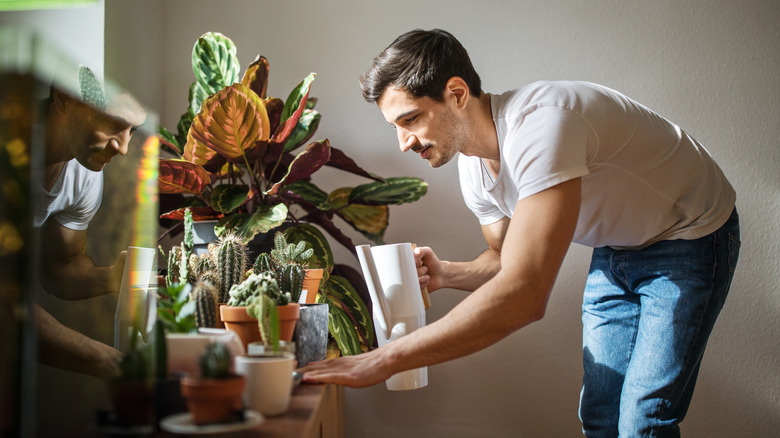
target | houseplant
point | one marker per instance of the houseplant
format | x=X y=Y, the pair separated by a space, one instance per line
x=233 y=161
x=215 y=395
x=290 y=263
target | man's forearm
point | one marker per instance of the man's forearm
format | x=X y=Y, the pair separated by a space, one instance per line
x=470 y=276
x=70 y=350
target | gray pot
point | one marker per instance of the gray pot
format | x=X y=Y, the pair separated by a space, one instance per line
x=311 y=333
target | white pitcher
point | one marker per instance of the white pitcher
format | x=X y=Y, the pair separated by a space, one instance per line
x=391 y=277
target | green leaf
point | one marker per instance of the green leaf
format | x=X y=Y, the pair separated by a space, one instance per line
x=371 y=220
x=294 y=99
x=339 y=290
x=179 y=176
x=230 y=122
x=342 y=329
x=310 y=193
x=398 y=190
x=303 y=131
x=227 y=197
x=214 y=62
x=263 y=220
x=323 y=256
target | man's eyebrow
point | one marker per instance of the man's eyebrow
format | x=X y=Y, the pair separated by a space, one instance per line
x=404 y=115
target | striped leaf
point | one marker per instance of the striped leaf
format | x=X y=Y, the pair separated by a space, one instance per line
x=227 y=197
x=214 y=62
x=310 y=193
x=371 y=220
x=303 y=131
x=256 y=76
x=230 y=122
x=341 y=328
x=398 y=190
x=263 y=220
x=323 y=256
x=341 y=291
x=179 y=176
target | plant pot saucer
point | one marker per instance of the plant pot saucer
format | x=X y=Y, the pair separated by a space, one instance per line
x=182 y=423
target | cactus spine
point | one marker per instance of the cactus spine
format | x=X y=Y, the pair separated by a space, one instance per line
x=186 y=246
x=204 y=294
x=231 y=263
x=174 y=261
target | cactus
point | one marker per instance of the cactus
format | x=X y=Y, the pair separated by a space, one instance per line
x=204 y=294
x=91 y=90
x=285 y=254
x=174 y=261
x=215 y=362
x=231 y=263
x=291 y=281
x=254 y=286
x=186 y=246
x=210 y=276
x=264 y=263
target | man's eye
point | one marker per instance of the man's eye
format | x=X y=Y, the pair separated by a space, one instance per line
x=410 y=119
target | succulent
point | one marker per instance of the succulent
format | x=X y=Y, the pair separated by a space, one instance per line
x=254 y=286
x=174 y=261
x=215 y=362
x=291 y=281
x=91 y=90
x=286 y=254
x=186 y=246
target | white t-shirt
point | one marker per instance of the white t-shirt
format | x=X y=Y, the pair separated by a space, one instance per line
x=643 y=178
x=73 y=199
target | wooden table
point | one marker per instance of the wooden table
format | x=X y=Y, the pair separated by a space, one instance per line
x=315 y=411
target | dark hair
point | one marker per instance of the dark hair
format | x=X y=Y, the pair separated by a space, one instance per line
x=420 y=62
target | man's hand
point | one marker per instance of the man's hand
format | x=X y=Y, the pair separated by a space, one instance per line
x=358 y=371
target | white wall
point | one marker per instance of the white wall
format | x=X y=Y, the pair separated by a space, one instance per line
x=711 y=66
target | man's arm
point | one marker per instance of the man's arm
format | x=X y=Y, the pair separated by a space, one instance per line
x=67 y=270
x=67 y=349
x=536 y=242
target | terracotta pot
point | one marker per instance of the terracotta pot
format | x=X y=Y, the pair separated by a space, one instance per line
x=237 y=320
x=213 y=400
x=288 y=316
x=311 y=284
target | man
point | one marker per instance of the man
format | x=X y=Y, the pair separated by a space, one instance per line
x=81 y=139
x=541 y=167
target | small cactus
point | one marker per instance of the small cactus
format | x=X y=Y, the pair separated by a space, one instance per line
x=264 y=263
x=174 y=261
x=215 y=362
x=204 y=294
x=291 y=281
x=186 y=246
x=91 y=90
x=231 y=263
x=285 y=254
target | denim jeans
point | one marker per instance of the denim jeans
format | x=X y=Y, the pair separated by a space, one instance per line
x=646 y=316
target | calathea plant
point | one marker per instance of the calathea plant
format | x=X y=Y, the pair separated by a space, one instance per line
x=245 y=159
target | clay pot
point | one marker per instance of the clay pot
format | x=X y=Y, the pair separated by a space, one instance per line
x=213 y=400
x=236 y=319
x=311 y=284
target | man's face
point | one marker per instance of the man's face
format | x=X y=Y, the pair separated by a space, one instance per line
x=424 y=125
x=94 y=137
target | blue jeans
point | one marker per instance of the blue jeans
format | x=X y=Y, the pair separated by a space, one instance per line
x=646 y=316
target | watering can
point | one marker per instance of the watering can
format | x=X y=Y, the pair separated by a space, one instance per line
x=391 y=277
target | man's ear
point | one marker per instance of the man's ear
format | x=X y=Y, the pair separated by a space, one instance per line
x=60 y=100
x=458 y=90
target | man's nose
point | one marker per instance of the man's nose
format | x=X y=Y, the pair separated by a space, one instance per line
x=405 y=139
x=120 y=142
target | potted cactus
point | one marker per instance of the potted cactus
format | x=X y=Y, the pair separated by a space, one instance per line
x=290 y=263
x=258 y=310
x=215 y=395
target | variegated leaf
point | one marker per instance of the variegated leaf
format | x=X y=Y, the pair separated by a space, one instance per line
x=323 y=256
x=310 y=193
x=339 y=289
x=304 y=130
x=256 y=76
x=214 y=62
x=263 y=220
x=179 y=176
x=227 y=197
x=370 y=220
x=230 y=122
x=398 y=190
x=305 y=164
x=342 y=329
